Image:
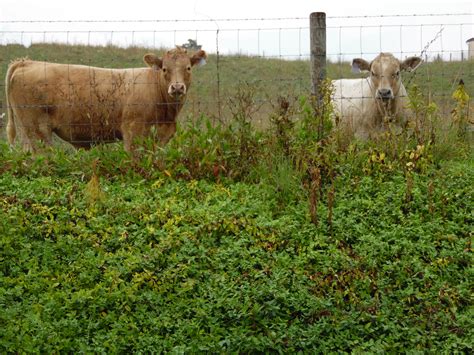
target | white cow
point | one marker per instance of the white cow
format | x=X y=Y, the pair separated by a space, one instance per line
x=364 y=106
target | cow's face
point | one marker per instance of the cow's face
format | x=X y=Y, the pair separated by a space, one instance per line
x=175 y=69
x=385 y=71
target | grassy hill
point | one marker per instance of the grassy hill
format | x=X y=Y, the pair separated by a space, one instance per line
x=218 y=82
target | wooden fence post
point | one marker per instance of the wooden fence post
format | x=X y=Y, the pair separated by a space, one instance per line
x=317 y=27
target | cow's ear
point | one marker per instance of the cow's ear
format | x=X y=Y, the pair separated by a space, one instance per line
x=199 y=58
x=359 y=64
x=411 y=63
x=153 y=61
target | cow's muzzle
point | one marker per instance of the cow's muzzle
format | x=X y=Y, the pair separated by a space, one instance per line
x=385 y=94
x=177 y=89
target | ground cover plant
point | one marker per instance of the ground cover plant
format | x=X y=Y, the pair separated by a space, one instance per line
x=193 y=265
x=236 y=239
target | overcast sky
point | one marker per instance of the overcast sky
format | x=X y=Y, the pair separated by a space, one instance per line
x=288 y=38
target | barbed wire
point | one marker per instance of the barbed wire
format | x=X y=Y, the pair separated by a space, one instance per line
x=236 y=19
x=423 y=52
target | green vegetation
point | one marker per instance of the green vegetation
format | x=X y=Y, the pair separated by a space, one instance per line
x=231 y=239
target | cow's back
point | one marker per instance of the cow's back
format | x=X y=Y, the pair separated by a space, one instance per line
x=81 y=104
x=71 y=82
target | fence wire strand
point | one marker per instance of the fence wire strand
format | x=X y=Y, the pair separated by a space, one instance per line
x=246 y=19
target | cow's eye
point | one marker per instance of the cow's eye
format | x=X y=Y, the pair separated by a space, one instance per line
x=164 y=70
x=396 y=74
x=188 y=68
x=373 y=74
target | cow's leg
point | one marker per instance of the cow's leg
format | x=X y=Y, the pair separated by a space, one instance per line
x=131 y=132
x=44 y=131
x=27 y=144
x=127 y=141
x=165 y=132
x=27 y=128
x=39 y=131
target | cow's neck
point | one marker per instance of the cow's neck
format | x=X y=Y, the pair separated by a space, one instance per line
x=167 y=107
x=387 y=109
x=171 y=110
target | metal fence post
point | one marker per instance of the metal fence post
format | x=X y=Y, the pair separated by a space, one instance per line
x=317 y=26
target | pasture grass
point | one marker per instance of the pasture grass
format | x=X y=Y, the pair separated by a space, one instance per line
x=216 y=83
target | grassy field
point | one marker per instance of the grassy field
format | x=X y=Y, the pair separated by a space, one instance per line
x=216 y=84
x=232 y=239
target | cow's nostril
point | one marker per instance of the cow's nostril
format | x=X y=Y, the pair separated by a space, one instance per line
x=385 y=93
x=177 y=88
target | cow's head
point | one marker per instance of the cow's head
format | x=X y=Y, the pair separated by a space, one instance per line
x=174 y=68
x=385 y=73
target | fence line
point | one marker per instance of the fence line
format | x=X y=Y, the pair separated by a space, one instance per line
x=238 y=19
x=261 y=56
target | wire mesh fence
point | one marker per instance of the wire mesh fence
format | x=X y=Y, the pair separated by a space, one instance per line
x=264 y=57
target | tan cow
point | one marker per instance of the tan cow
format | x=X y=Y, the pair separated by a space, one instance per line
x=364 y=106
x=87 y=105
